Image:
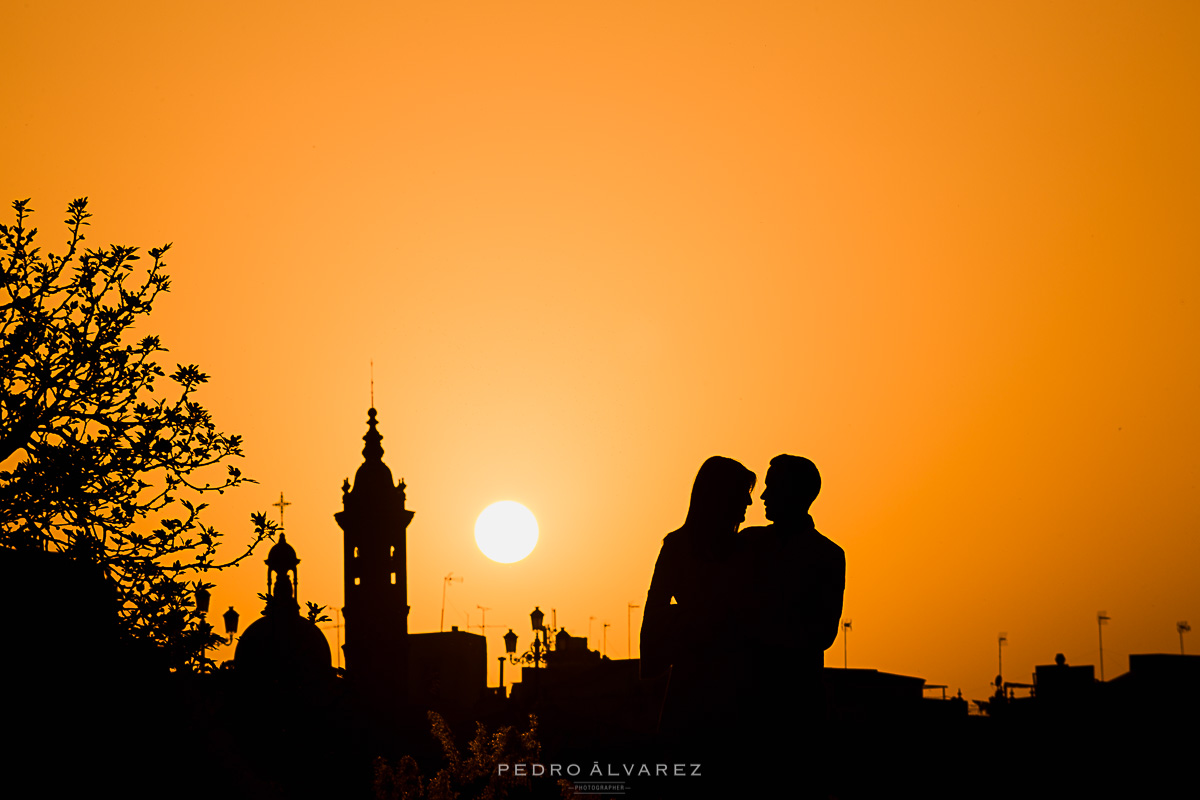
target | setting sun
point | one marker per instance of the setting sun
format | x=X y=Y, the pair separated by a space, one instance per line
x=506 y=531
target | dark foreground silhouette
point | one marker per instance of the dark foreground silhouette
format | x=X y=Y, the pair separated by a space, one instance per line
x=695 y=596
x=89 y=714
x=766 y=730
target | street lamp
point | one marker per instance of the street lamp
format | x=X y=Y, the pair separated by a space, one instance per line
x=540 y=648
x=510 y=641
x=203 y=597
x=231 y=623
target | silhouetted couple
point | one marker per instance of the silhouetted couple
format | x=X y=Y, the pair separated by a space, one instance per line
x=743 y=620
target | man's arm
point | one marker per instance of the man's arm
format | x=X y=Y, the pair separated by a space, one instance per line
x=832 y=590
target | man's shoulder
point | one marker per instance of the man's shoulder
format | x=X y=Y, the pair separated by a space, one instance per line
x=829 y=548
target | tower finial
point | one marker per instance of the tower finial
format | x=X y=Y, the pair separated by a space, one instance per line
x=372 y=383
x=372 y=450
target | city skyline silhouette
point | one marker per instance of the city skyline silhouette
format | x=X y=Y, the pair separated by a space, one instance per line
x=779 y=723
x=945 y=255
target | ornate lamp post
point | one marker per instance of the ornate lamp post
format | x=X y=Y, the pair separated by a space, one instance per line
x=231 y=623
x=510 y=642
x=540 y=648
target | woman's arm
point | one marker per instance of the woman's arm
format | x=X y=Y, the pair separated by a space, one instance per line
x=660 y=622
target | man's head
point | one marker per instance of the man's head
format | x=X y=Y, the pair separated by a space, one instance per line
x=791 y=486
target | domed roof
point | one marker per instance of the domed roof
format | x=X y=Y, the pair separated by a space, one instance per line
x=373 y=473
x=283 y=646
x=282 y=556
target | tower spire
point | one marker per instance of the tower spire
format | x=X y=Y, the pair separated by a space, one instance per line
x=372 y=450
x=374 y=522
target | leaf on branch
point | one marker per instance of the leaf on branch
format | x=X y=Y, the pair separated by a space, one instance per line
x=314 y=613
x=103 y=455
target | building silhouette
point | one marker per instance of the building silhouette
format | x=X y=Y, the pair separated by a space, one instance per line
x=254 y=723
x=375 y=522
x=447 y=670
x=281 y=645
x=387 y=667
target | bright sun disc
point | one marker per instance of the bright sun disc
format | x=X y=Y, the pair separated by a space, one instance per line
x=506 y=531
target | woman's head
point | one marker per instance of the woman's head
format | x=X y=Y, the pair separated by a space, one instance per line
x=721 y=493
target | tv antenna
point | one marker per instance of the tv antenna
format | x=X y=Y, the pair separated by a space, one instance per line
x=337 y=627
x=1001 y=640
x=847 y=626
x=1183 y=627
x=446 y=581
x=1101 y=618
x=484 y=626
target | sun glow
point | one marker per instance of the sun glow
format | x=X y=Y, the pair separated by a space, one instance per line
x=506 y=531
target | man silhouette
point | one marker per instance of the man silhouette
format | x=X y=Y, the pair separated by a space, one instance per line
x=796 y=579
x=799 y=575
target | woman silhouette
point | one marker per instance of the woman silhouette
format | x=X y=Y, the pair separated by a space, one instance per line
x=699 y=567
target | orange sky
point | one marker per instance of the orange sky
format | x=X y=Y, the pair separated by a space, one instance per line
x=946 y=250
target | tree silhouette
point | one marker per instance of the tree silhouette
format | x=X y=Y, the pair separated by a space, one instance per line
x=98 y=463
x=475 y=774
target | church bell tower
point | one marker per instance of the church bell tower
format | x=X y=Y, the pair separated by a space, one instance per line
x=375 y=523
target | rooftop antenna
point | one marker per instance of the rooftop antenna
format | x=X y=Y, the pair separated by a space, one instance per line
x=1183 y=627
x=282 y=504
x=1002 y=640
x=483 y=625
x=847 y=626
x=604 y=646
x=1101 y=618
x=337 y=627
x=590 y=620
x=446 y=581
x=372 y=383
